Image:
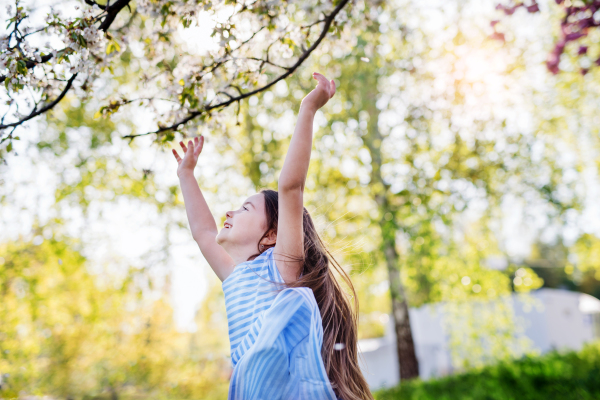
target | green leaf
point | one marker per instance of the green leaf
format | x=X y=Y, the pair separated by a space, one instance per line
x=22 y=67
x=112 y=46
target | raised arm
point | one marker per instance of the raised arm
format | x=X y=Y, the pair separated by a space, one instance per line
x=290 y=235
x=202 y=223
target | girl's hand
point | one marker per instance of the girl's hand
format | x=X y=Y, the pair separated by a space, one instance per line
x=191 y=154
x=321 y=94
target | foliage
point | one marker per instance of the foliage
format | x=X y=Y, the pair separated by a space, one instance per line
x=481 y=332
x=553 y=376
x=587 y=251
x=584 y=270
x=68 y=333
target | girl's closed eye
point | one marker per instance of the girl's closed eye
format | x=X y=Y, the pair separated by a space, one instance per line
x=245 y=208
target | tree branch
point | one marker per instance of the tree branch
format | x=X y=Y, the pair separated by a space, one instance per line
x=290 y=70
x=31 y=64
x=46 y=108
x=111 y=13
x=93 y=3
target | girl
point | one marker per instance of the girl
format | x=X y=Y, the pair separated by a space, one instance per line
x=291 y=328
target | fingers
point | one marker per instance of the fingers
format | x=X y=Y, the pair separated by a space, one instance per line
x=329 y=86
x=199 y=145
x=193 y=147
x=322 y=80
x=176 y=155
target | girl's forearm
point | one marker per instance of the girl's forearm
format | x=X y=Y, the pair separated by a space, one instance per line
x=295 y=168
x=199 y=216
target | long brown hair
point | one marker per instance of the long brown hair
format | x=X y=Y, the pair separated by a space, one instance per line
x=340 y=322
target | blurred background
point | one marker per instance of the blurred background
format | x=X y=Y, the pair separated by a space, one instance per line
x=448 y=162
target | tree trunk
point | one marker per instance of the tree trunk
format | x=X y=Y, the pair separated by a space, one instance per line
x=407 y=358
x=409 y=365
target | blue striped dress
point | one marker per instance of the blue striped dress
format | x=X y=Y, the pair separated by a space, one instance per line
x=275 y=334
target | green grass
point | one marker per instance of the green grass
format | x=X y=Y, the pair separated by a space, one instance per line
x=553 y=376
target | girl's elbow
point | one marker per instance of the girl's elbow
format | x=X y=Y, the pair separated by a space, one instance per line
x=284 y=187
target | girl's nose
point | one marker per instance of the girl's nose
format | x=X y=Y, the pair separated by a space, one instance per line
x=229 y=214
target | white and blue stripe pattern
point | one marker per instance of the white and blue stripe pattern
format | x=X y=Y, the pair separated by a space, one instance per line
x=276 y=335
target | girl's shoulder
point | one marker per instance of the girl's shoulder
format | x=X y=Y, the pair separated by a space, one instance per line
x=262 y=266
x=268 y=261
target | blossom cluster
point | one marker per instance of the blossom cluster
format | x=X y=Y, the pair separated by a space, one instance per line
x=81 y=37
x=244 y=55
x=13 y=59
x=578 y=19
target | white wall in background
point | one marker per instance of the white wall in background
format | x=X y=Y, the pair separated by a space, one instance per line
x=552 y=318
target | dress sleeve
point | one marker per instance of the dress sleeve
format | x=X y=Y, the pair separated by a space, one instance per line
x=274 y=273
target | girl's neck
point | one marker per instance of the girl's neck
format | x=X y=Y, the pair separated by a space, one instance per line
x=241 y=254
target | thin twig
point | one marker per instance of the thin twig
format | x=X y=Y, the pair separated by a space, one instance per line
x=264 y=62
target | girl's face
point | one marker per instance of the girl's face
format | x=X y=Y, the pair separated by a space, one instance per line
x=244 y=227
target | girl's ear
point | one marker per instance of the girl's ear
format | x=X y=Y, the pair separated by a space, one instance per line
x=270 y=239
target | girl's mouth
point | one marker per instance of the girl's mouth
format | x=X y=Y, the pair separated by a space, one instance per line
x=227 y=225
